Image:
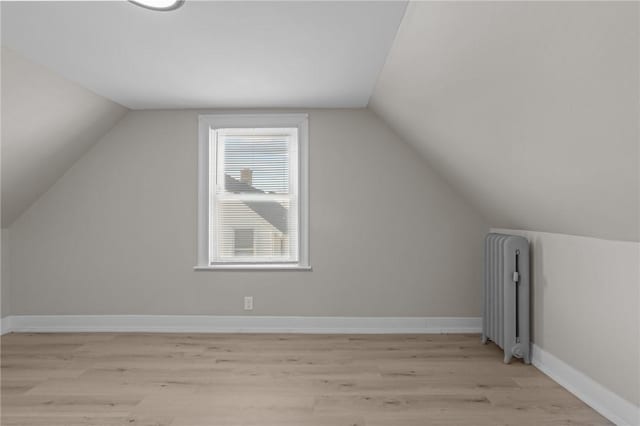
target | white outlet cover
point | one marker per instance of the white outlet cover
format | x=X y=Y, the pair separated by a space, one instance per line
x=248 y=303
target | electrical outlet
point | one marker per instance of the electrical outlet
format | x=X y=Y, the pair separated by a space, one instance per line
x=248 y=303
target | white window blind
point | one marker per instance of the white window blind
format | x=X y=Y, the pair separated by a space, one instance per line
x=254 y=178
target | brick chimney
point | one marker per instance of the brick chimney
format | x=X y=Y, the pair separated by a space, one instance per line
x=246 y=176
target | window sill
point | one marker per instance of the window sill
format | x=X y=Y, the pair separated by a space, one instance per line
x=257 y=267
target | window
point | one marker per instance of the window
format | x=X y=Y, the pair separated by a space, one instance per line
x=243 y=242
x=253 y=192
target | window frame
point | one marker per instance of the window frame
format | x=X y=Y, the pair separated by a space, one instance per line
x=207 y=122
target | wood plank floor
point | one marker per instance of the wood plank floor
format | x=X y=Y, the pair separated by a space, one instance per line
x=101 y=379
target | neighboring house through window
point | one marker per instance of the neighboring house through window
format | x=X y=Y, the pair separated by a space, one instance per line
x=243 y=242
x=253 y=192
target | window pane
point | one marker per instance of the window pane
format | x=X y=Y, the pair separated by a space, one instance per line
x=243 y=241
x=249 y=229
x=255 y=163
x=253 y=190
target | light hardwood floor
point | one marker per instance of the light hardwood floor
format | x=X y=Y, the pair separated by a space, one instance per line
x=100 y=379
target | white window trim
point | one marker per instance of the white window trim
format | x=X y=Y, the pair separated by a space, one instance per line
x=209 y=121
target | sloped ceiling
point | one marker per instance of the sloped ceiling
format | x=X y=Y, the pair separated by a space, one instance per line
x=47 y=124
x=211 y=54
x=529 y=109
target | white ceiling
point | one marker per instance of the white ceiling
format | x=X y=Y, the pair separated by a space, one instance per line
x=530 y=109
x=210 y=53
x=47 y=124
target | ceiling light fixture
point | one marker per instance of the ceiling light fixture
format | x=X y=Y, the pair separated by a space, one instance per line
x=161 y=5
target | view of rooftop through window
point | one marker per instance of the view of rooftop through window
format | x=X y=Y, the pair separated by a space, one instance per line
x=259 y=161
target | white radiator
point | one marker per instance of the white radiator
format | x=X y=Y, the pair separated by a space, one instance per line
x=505 y=316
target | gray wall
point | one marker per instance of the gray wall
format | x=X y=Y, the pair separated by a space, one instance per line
x=4 y=278
x=586 y=306
x=117 y=233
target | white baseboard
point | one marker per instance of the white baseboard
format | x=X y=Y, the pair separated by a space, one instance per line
x=5 y=325
x=239 y=324
x=613 y=407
